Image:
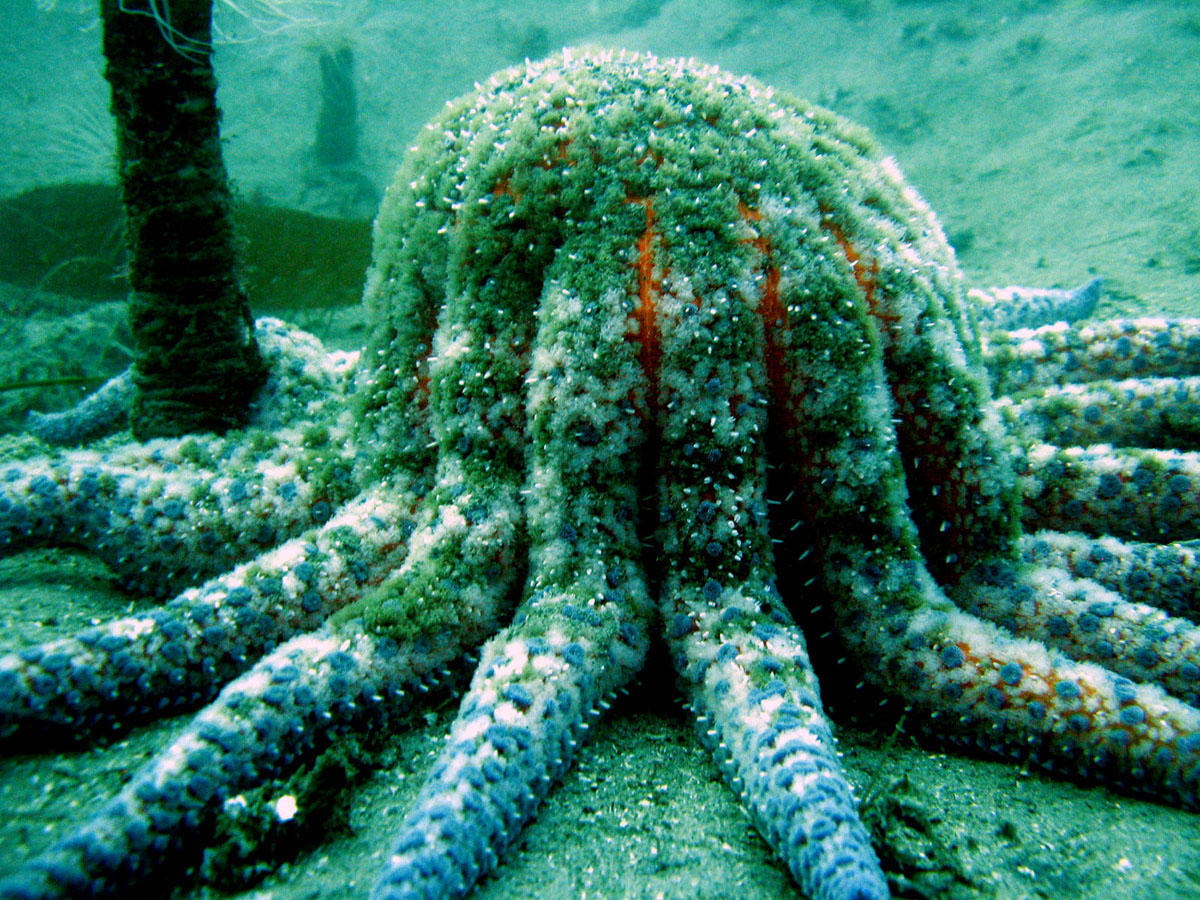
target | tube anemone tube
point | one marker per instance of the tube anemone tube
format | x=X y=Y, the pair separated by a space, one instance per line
x=196 y=362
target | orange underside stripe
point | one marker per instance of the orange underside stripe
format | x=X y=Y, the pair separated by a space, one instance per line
x=772 y=312
x=649 y=288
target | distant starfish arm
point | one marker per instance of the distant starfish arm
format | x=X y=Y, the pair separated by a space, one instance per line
x=1021 y=307
x=1088 y=621
x=101 y=413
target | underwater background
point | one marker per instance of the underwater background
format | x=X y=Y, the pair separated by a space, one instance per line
x=1055 y=140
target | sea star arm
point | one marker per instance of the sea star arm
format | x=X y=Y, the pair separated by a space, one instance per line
x=759 y=712
x=115 y=675
x=1162 y=575
x=1125 y=492
x=874 y=285
x=292 y=706
x=1088 y=351
x=1022 y=307
x=161 y=525
x=297 y=368
x=166 y=513
x=581 y=632
x=1007 y=694
x=101 y=413
x=1133 y=412
x=741 y=658
x=470 y=571
x=1087 y=621
x=539 y=685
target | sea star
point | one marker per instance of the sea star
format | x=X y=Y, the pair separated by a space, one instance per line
x=647 y=336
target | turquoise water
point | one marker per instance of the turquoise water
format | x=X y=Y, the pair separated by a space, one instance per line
x=1056 y=140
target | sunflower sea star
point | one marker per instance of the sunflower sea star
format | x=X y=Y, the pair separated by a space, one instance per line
x=647 y=336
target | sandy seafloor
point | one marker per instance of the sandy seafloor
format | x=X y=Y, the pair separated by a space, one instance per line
x=1055 y=139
